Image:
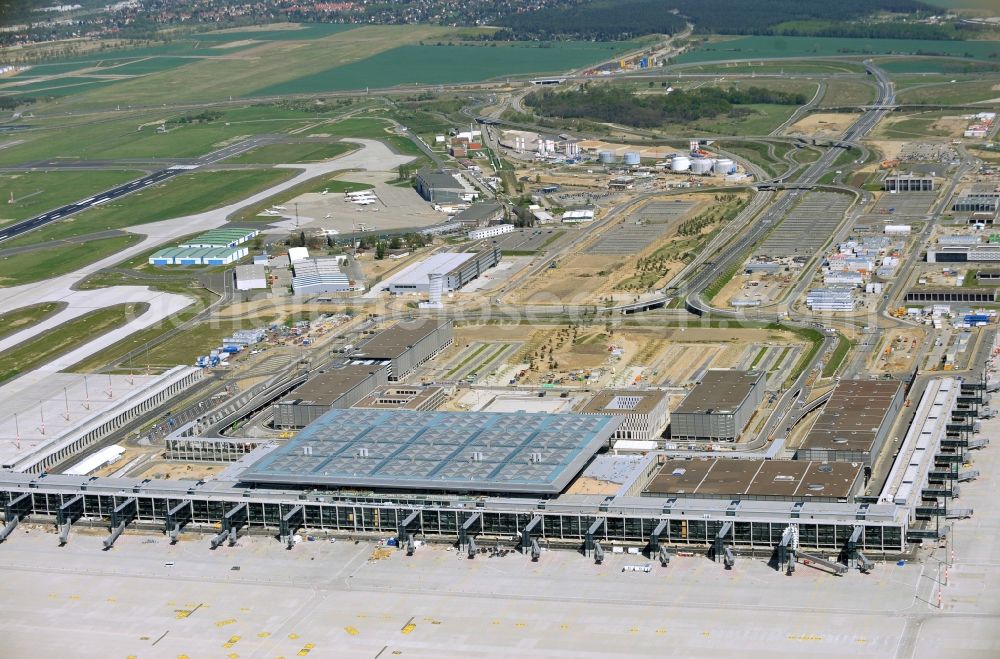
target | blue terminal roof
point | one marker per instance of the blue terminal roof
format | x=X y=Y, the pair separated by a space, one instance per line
x=432 y=451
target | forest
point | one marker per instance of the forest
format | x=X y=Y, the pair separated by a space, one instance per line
x=622 y=105
x=617 y=19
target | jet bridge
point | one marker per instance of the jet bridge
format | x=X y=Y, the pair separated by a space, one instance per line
x=123 y=513
x=598 y=553
x=654 y=537
x=787 y=547
x=177 y=517
x=70 y=511
x=838 y=569
x=231 y=522
x=528 y=533
x=719 y=548
x=290 y=522
x=407 y=528
x=472 y=548
x=588 y=541
x=14 y=511
x=465 y=532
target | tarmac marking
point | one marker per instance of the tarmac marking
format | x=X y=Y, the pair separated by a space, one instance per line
x=112 y=600
x=496 y=622
x=633 y=629
x=351 y=630
x=227 y=621
x=661 y=631
x=293 y=636
x=233 y=640
x=263 y=634
x=564 y=626
x=520 y=625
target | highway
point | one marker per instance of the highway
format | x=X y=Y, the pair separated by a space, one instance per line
x=39 y=221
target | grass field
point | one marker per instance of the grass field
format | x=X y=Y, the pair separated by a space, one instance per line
x=837 y=358
x=946 y=93
x=36 y=192
x=42 y=264
x=772 y=68
x=441 y=64
x=203 y=297
x=769 y=47
x=179 y=196
x=292 y=153
x=937 y=65
x=260 y=67
x=17 y=320
x=846 y=92
x=372 y=128
x=764 y=119
x=915 y=126
x=65 y=338
x=70 y=139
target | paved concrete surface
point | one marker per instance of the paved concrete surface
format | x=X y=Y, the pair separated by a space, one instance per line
x=330 y=598
x=397 y=208
x=162 y=305
x=149 y=599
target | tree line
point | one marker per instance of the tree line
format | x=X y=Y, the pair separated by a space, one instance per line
x=624 y=19
x=622 y=105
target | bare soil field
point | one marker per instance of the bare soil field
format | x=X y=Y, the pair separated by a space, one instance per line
x=823 y=124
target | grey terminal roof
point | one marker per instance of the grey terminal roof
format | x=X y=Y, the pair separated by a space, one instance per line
x=759 y=479
x=437 y=451
x=480 y=211
x=327 y=387
x=853 y=416
x=440 y=179
x=719 y=392
x=393 y=342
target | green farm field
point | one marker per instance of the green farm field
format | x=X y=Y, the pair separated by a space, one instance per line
x=179 y=196
x=442 y=64
x=768 y=47
x=36 y=192
x=251 y=70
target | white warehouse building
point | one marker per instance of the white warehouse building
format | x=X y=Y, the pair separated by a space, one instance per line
x=456 y=270
x=831 y=299
x=490 y=232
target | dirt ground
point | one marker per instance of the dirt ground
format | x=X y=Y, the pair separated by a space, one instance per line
x=184 y=471
x=619 y=357
x=823 y=124
x=589 y=485
x=954 y=126
x=897 y=353
x=890 y=148
x=583 y=278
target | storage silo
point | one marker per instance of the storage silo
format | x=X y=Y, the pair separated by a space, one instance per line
x=631 y=158
x=724 y=166
x=680 y=164
x=701 y=166
x=606 y=157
